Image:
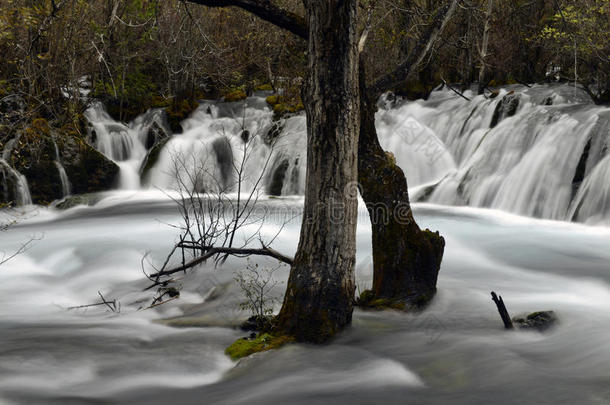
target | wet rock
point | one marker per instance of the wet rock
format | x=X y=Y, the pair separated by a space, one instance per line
x=540 y=321
x=76 y=200
x=155 y=135
x=151 y=159
x=276 y=182
x=224 y=158
x=36 y=152
x=507 y=107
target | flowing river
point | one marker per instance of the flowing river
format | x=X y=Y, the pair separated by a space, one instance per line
x=454 y=352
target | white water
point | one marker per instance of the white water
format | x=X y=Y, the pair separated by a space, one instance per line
x=20 y=187
x=122 y=143
x=525 y=165
x=66 y=187
x=455 y=352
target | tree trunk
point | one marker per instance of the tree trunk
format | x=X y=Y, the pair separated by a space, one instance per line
x=406 y=259
x=483 y=49
x=320 y=292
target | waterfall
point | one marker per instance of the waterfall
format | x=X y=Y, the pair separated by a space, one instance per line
x=19 y=187
x=539 y=151
x=124 y=144
x=542 y=159
x=66 y=187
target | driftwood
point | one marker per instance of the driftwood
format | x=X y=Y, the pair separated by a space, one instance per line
x=113 y=305
x=454 y=90
x=508 y=323
x=211 y=251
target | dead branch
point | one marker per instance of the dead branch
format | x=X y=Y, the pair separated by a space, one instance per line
x=454 y=90
x=212 y=251
x=508 y=323
x=113 y=305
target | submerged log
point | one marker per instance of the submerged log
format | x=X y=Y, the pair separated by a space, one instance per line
x=508 y=323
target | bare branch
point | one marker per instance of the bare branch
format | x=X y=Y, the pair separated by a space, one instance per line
x=267 y=11
x=212 y=251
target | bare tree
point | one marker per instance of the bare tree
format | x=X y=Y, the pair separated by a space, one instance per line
x=219 y=209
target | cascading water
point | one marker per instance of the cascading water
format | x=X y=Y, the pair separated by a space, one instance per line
x=219 y=142
x=538 y=151
x=18 y=184
x=532 y=151
x=125 y=144
x=66 y=187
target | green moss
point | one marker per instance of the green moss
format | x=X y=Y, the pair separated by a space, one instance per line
x=264 y=87
x=244 y=347
x=179 y=111
x=235 y=95
x=273 y=100
x=367 y=300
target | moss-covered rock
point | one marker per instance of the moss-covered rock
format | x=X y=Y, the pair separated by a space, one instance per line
x=178 y=112
x=89 y=171
x=367 y=300
x=273 y=99
x=235 y=95
x=40 y=150
x=264 y=87
x=263 y=342
x=540 y=321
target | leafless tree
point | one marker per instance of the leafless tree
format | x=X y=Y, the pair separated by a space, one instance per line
x=220 y=214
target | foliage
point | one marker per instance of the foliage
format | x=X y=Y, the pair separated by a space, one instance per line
x=257 y=283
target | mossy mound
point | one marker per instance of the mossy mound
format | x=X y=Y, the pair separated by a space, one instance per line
x=263 y=342
x=264 y=87
x=282 y=106
x=235 y=95
x=178 y=112
x=367 y=300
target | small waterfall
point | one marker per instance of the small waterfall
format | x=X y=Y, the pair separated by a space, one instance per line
x=218 y=142
x=66 y=187
x=20 y=187
x=125 y=144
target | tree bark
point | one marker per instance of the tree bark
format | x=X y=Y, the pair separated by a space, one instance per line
x=406 y=260
x=320 y=292
x=483 y=49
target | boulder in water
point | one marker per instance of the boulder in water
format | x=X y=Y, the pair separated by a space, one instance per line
x=155 y=134
x=540 y=321
x=506 y=107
